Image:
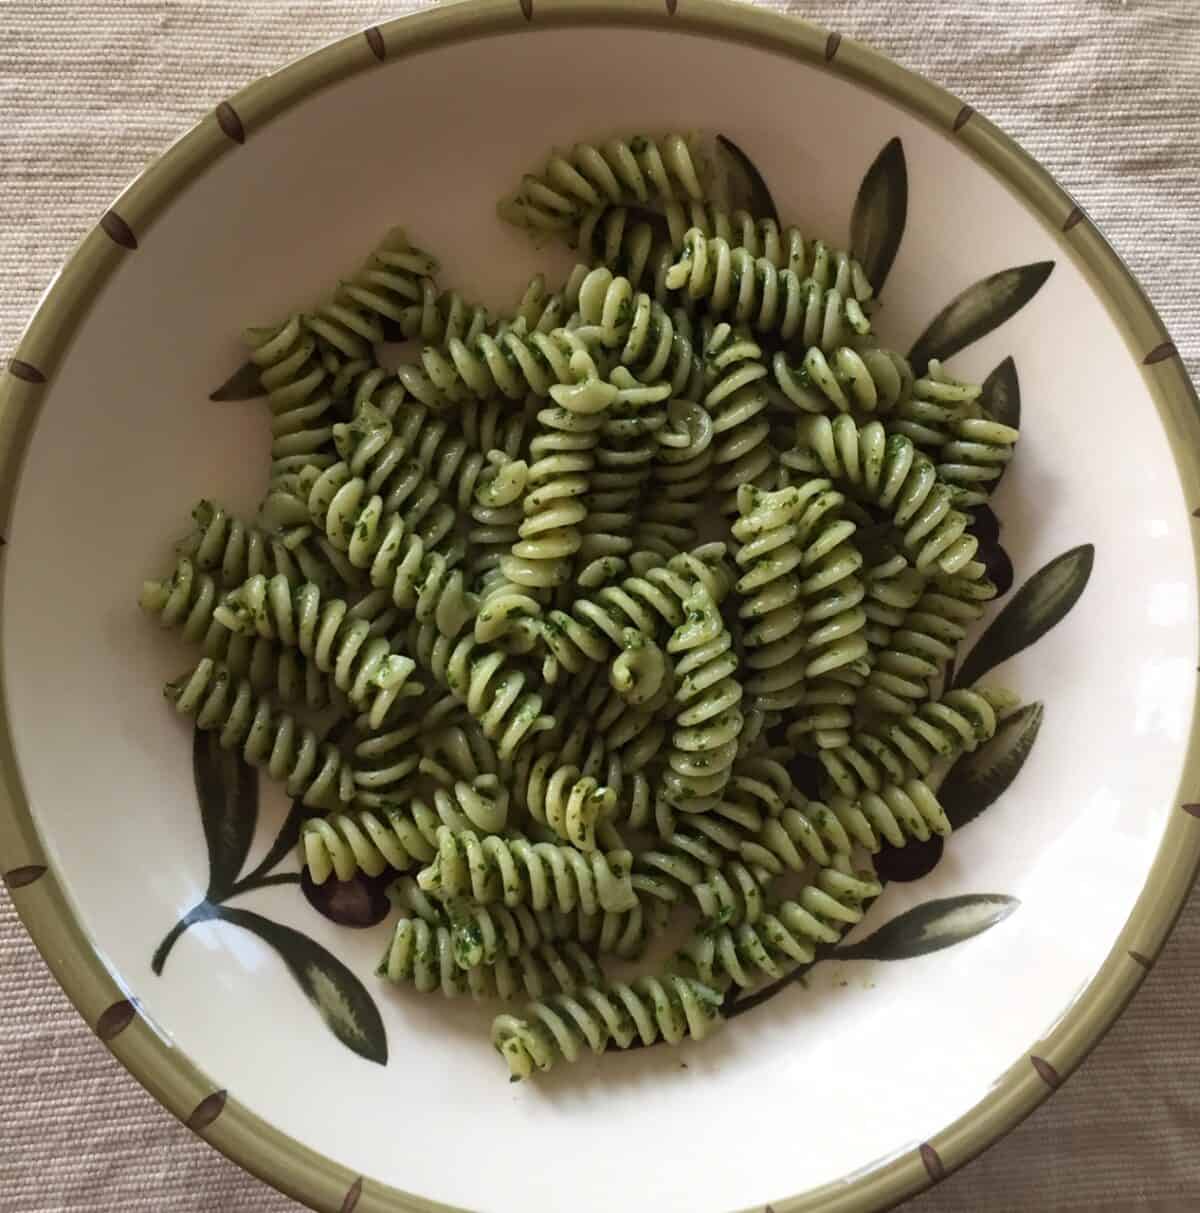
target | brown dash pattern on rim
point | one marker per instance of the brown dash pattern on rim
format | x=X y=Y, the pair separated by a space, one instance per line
x=374 y=37
x=353 y=1196
x=25 y=371
x=117 y=230
x=230 y=122
x=934 y=1166
x=23 y=877
x=115 y=1019
x=1046 y=1072
x=1074 y=218
x=206 y=1111
x=1160 y=353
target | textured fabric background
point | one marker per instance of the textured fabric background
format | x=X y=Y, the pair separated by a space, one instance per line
x=1106 y=93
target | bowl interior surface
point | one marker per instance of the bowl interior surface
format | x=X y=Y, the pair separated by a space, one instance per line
x=824 y=1081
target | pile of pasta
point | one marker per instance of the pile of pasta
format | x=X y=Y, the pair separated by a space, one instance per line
x=538 y=615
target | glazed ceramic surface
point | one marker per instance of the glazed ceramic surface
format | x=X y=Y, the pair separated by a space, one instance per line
x=878 y=1075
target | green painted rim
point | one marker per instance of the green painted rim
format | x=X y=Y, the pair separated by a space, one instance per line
x=75 y=961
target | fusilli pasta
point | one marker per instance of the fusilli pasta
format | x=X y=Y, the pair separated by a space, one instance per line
x=637 y=599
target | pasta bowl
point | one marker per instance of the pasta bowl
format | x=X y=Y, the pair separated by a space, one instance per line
x=160 y=881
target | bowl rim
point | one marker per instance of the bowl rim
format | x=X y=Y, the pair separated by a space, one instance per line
x=101 y=995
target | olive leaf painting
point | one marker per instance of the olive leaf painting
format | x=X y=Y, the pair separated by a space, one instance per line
x=1041 y=603
x=243 y=384
x=979 y=309
x=979 y=778
x=227 y=791
x=748 y=189
x=926 y=928
x=880 y=213
x=974 y=783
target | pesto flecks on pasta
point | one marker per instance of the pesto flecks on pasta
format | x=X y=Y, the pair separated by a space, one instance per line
x=619 y=619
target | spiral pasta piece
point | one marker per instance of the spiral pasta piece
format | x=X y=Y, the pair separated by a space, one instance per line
x=786 y=934
x=598 y=1017
x=650 y=602
x=566 y=800
x=490 y=537
x=423 y=954
x=481 y=934
x=824 y=718
x=628 y=238
x=399 y=836
x=625 y=451
x=361 y=523
x=554 y=509
x=704 y=742
x=370 y=304
x=975 y=458
x=764 y=822
x=232 y=551
x=457 y=750
x=609 y=729
x=655 y=345
x=895 y=814
x=289 y=752
x=736 y=398
x=785 y=248
x=799 y=588
x=806 y=830
x=508 y=362
x=628 y=242
x=691 y=866
x=612 y=743
x=515 y=871
x=573 y=181
x=394 y=551
x=386 y=763
x=936 y=402
x=442 y=316
x=491 y=687
x=895 y=751
x=681 y=477
x=364 y=666
x=637 y=674
x=389 y=537
x=388 y=451
x=297 y=383
x=926 y=637
x=506 y=611
x=187 y=600
x=888 y=471
x=751 y=291
x=844 y=380
x=893 y=587
x=540 y=310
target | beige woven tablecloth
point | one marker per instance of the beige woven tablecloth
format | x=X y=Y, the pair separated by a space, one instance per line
x=1106 y=93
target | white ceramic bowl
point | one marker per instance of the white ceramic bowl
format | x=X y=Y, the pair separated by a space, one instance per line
x=881 y=1075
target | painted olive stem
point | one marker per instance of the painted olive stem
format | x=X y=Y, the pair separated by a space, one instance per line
x=206 y=911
